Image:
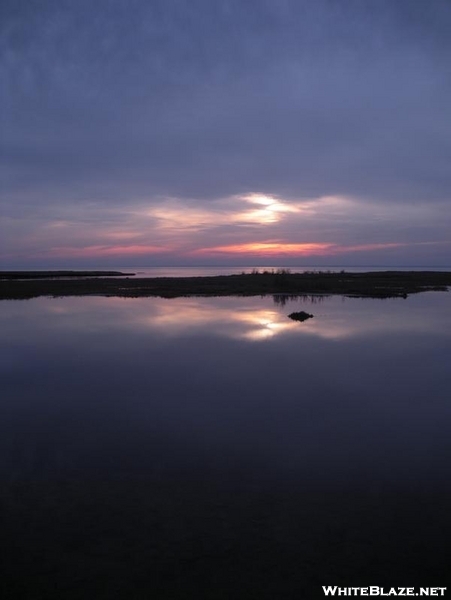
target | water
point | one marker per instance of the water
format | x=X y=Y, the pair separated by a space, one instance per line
x=196 y=271
x=214 y=448
x=231 y=270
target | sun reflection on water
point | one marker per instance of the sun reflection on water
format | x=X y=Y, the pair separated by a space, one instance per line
x=179 y=318
x=252 y=319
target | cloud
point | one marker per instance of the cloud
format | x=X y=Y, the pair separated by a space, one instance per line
x=282 y=249
x=250 y=228
x=179 y=113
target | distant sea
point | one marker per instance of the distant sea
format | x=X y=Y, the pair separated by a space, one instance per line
x=231 y=270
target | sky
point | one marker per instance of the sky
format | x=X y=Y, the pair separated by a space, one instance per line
x=225 y=132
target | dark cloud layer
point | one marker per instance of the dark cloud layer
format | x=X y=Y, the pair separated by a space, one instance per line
x=114 y=101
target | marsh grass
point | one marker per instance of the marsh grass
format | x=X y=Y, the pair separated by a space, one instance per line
x=381 y=284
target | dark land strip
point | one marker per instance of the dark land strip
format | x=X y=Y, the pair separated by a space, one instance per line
x=381 y=284
x=57 y=274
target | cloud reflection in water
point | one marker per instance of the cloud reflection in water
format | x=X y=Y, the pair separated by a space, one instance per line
x=246 y=318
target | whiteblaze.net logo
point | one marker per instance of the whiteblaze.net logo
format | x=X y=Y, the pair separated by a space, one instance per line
x=375 y=590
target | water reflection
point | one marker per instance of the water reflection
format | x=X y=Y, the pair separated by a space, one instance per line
x=212 y=447
x=222 y=318
x=246 y=318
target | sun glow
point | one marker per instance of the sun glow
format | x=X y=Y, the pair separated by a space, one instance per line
x=269 y=249
x=291 y=249
x=271 y=211
x=187 y=315
x=253 y=209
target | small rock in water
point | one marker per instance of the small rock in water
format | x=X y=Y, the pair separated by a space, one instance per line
x=300 y=316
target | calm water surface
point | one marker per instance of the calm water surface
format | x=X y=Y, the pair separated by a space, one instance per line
x=233 y=270
x=214 y=448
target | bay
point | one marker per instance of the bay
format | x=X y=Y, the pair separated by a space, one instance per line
x=214 y=448
x=146 y=271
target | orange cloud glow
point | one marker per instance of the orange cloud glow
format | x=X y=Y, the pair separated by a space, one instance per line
x=282 y=248
x=268 y=248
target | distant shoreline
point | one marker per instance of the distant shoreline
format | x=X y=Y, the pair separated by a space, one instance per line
x=16 y=285
x=57 y=274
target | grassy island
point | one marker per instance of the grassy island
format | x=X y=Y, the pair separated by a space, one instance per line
x=300 y=316
x=380 y=284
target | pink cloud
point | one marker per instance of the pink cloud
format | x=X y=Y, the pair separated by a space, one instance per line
x=277 y=248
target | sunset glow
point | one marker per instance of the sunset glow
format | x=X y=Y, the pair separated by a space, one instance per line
x=225 y=275
x=281 y=249
x=200 y=138
x=268 y=249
